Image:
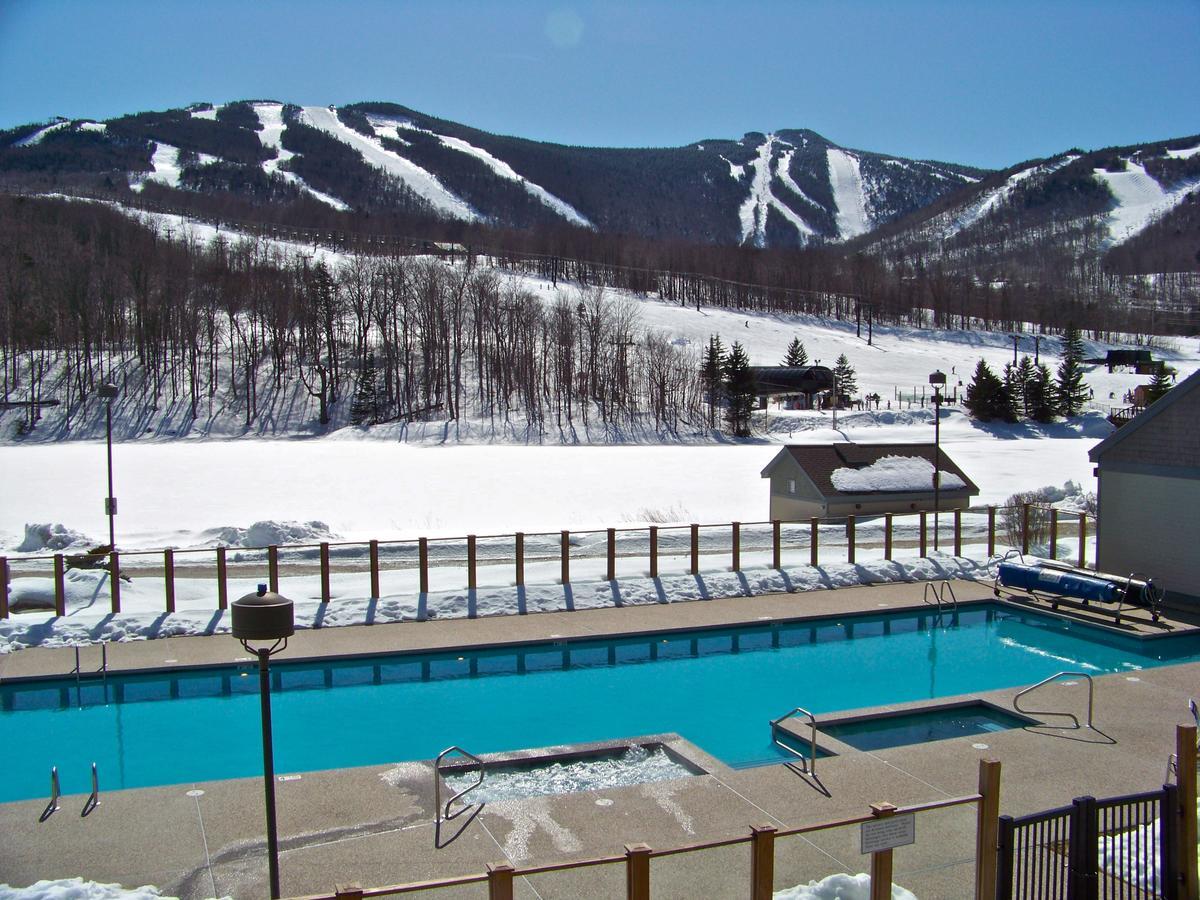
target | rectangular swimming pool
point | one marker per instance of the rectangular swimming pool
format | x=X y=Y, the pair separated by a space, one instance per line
x=717 y=688
x=921 y=725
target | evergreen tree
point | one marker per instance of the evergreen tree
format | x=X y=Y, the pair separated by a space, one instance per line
x=364 y=408
x=1160 y=382
x=796 y=354
x=1039 y=395
x=1023 y=377
x=1070 y=391
x=844 y=375
x=739 y=390
x=987 y=398
x=712 y=376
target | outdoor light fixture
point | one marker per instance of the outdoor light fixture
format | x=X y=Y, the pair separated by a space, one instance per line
x=937 y=380
x=108 y=392
x=265 y=616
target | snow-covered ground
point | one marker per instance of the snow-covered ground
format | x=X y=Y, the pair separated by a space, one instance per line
x=1140 y=199
x=849 y=194
x=270 y=117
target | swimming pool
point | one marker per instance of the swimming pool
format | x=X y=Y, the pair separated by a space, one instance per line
x=717 y=688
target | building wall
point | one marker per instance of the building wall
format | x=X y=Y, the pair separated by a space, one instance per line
x=1148 y=524
x=898 y=505
x=1170 y=439
x=802 y=505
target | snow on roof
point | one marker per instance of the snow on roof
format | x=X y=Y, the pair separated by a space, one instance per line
x=893 y=473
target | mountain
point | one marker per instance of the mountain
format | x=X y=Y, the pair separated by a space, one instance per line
x=784 y=189
x=1129 y=210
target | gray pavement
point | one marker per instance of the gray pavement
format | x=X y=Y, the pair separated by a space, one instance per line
x=375 y=825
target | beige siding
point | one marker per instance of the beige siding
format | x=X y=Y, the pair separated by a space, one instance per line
x=1170 y=439
x=1150 y=524
x=800 y=506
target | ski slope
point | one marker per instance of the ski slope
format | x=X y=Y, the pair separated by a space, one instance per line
x=1140 y=199
x=849 y=194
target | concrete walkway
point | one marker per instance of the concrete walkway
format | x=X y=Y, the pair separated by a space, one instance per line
x=375 y=825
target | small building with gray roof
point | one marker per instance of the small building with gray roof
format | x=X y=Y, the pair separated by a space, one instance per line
x=1148 y=493
x=847 y=479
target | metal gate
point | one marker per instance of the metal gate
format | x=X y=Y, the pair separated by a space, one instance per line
x=1122 y=848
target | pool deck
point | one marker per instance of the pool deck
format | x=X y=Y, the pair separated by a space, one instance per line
x=356 y=825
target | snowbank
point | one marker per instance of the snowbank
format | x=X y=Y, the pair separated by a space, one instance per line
x=78 y=889
x=89 y=620
x=46 y=536
x=839 y=887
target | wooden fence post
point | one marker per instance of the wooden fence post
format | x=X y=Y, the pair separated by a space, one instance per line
x=887 y=536
x=222 y=586
x=325 y=593
x=653 y=551
x=1024 y=527
x=471 y=584
x=881 y=860
x=114 y=579
x=1185 y=754
x=762 y=862
x=958 y=532
x=611 y=570
x=1054 y=534
x=3 y=587
x=500 y=881
x=991 y=547
x=736 y=537
x=637 y=872
x=924 y=534
x=520 y=554
x=850 y=539
x=60 y=586
x=273 y=568
x=695 y=568
x=987 y=824
x=776 y=545
x=169 y=578
x=373 y=552
x=1082 y=540
x=565 y=552
x=351 y=891
x=812 y=543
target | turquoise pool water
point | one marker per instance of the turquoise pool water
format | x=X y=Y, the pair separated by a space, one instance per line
x=718 y=689
x=919 y=727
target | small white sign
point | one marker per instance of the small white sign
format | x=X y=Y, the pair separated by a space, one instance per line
x=888 y=832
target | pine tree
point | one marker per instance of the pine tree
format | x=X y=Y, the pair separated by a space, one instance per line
x=1160 y=382
x=844 y=376
x=712 y=376
x=796 y=354
x=739 y=389
x=986 y=396
x=1023 y=377
x=1070 y=391
x=1039 y=395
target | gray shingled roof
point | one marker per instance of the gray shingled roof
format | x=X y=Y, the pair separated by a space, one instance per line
x=819 y=461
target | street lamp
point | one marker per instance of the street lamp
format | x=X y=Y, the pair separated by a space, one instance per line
x=937 y=380
x=265 y=616
x=109 y=392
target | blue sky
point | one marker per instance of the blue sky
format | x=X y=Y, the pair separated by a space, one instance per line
x=983 y=82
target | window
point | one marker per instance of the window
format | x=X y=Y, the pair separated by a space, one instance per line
x=791 y=485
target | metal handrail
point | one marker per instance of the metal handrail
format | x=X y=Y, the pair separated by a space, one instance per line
x=810 y=764
x=444 y=813
x=94 y=799
x=52 y=807
x=939 y=595
x=1055 y=677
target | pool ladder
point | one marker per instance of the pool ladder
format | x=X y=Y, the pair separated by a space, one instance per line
x=53 y=806
x=1044 y=712
x=938 y=594
x=809 y=762
x=102 y=671
x=443 y=812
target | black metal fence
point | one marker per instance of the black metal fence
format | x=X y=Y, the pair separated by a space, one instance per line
x=1122 y=848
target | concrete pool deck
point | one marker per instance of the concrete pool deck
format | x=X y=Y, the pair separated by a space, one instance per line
x=375 y=825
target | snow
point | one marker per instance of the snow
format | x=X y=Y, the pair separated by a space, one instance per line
x=753 y=211
x=1140 y=199
x=1184 y=154
x=78 y=889
x=37 y=136
x=166 y=169
x=422 y=183
x=782 y=171
x=992 y=198
x=839 y=887
x=735 y=172
x=893 y=473
x=849 y=193
x=270 y=116
x=498 y=166
x=93 y=126
x=210 y=113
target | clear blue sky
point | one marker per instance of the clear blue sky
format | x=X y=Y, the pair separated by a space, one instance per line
x=983 y=82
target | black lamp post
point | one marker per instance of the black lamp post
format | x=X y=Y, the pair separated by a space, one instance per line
x=109 y=392
x=937 y=380
x=265 y=616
